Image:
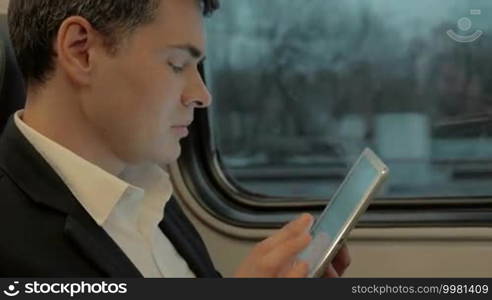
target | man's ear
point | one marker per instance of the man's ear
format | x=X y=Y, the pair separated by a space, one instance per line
x=73 y=46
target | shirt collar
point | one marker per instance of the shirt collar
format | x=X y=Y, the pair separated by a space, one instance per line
x=97 y=190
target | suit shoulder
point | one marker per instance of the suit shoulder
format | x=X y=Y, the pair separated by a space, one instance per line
x=33 y=239
x=3 y=178
x=18 y=211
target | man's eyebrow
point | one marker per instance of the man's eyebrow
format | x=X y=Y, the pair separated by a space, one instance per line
x=192 y=50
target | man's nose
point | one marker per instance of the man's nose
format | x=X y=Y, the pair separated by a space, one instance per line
x=197 y=94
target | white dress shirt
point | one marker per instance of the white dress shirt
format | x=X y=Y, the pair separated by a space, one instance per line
x=128 y=207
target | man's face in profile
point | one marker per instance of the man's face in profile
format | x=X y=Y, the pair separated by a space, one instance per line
x=143 y=97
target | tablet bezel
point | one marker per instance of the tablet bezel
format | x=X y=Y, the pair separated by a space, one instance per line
x=382 y=174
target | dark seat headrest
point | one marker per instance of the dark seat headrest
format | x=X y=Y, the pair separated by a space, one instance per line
x=12 y=88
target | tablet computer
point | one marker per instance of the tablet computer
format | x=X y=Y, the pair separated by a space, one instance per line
x=341 y=214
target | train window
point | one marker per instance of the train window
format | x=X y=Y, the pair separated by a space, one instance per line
x=301 y=88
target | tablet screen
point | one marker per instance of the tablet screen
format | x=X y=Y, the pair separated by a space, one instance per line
x=342 y=208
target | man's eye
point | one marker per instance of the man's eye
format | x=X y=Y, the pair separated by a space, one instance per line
x=176 y=69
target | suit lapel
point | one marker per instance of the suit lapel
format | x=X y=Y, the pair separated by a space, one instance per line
x=95 y=245
x=26 y=167
x=187 y=241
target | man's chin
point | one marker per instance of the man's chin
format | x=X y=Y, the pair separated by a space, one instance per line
x=169 y=156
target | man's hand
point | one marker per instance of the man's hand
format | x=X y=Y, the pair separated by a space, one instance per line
x=339 y=264
x=276 y=256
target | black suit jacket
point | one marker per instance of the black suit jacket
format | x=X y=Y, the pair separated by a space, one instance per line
x=45 y=232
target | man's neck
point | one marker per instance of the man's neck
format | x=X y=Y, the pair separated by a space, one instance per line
x=59 y=118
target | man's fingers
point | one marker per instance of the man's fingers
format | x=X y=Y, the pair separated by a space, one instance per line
x=300 y=269
x=285 y=252
x=289 y=231
x=342 y=260
x=330 y=272
x=275 y=255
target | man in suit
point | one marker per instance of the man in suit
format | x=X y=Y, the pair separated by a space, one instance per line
x=111 y=89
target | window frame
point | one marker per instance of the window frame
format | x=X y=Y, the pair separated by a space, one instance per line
x=216 y=192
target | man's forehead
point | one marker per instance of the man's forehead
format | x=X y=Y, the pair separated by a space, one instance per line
x=172 y=7
x=180 y=23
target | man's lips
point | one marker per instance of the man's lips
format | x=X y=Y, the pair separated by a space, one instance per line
x=184 y=124
x=182 y=130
